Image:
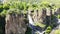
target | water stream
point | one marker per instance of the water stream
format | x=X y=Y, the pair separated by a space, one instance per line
x=34 y=28
x=59 y=23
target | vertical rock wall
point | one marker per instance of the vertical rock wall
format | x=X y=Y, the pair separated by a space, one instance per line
x=39 y=16
x=15 y=24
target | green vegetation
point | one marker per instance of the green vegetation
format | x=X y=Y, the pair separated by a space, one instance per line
x=57 y=31
x=25 y=6
x=58 y=16
x=28 y=30
x=48 y=30
x=3 y=13
x=18 y=7
x=40 y=25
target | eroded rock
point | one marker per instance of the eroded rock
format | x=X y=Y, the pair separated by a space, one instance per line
x=15 y=24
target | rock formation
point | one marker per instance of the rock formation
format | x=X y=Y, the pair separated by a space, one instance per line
x=15 y=24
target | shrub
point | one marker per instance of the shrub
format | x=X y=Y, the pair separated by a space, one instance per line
x=28 y=30
x=58 y=17
x=1 y=8
x=48 y=30
x=44 y=4
x=3 y=13
x=6 y=6
x=18 y=5
x=40 y=25
x=11 y=11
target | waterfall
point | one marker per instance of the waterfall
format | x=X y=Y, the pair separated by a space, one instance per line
x=31 y=25
x=59 y=23
x=30 y=20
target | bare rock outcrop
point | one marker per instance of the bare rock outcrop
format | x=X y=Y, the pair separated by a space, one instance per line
x=15 y=24
x=38 y=15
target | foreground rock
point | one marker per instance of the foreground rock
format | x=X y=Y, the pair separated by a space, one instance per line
x=15 y=24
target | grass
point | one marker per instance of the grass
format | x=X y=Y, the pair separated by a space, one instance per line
x=58 y=16
x=56 y=31
x=40 y=24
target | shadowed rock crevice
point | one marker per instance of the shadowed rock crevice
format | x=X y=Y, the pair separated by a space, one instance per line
x=2 y=25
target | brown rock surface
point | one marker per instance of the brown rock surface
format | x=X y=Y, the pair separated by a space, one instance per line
x=15 y=24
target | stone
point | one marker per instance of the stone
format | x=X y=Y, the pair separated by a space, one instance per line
x=15 y=24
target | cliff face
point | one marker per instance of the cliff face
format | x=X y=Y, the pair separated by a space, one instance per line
x=15 y=24
x=41 y=19
x=40 y=15
x=56 y=29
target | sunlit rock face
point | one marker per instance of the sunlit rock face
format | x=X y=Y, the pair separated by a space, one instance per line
x=43 y=16
x=58 y=11
x=39 y=18
x=38 y=15
x=48 y=12
x=15 y=24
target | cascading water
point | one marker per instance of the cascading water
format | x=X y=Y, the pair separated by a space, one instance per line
x=30 y=20
x=59 y=23
x=31 y=25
